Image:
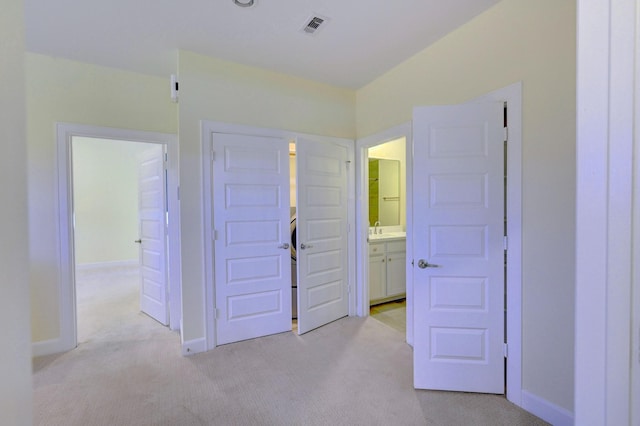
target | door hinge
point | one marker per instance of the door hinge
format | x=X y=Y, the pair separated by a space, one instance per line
x=178 y=193
x=213 y=156
x=214 y=235
x=348 y=163
x=216 y=313
x=506 y=134
x=505 y=350
x=349 y=289
x=505 y=242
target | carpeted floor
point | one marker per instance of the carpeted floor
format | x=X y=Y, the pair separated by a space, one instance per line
x=127 y=370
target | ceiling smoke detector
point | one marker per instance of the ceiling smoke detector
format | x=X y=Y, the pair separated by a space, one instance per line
x=314 y=24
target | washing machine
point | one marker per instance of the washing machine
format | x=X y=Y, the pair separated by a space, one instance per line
x=294 y=267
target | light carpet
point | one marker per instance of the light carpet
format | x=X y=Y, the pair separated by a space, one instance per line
x=128 y=370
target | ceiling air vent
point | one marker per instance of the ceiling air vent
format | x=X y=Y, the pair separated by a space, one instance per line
x=314 y=24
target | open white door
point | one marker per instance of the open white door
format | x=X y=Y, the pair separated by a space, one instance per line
x=251 y=229
x=153 y=234
x=458 y=237
x=322 y=230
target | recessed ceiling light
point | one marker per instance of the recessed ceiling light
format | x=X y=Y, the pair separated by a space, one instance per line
x=244 y=3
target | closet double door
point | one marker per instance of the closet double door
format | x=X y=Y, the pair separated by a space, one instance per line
x=251 y=218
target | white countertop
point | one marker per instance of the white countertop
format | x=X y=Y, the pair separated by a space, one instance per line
x=387 y=236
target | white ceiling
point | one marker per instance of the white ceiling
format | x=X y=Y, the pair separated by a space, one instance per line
x=361 y=40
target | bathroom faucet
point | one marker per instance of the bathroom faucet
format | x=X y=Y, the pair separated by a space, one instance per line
x=375 y=227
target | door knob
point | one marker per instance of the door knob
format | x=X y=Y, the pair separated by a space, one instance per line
x=424 y=264
x=284 y=246
x=305 y=246
x=138 y=241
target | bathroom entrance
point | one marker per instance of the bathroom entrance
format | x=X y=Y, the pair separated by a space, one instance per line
x=386 y=239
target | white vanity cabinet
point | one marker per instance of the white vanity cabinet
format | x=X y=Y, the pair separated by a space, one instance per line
x=387 y=273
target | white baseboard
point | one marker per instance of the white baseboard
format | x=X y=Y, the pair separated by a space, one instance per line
x=109 y=264
x=47 y=347
x=547 y=411
x=195 y=346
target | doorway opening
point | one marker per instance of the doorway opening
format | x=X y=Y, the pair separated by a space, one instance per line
x=512 y=349
x=386 y=240
x=255 y=178
x=293 y=232
x=107 y=238
x=94 y=248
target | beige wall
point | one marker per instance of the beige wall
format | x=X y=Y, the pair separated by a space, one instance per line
x=60 y=90
x=15 y=356
x=105 y=199
x=532 y=42
x=216 y=90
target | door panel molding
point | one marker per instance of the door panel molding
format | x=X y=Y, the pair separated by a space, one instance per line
x=459 y=349
x=208 y=128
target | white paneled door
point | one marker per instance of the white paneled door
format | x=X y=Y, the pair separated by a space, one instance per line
x=153 y=234
x=251 y=231
x=458 y=239
x=322 y=230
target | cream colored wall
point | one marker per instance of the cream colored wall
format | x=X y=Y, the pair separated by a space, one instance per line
x=15 y=356
x=532 y=42
x=216 y=90
x=395 y=150
x=105 y=198
x=60 y=90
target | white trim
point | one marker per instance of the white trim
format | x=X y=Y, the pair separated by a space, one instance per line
x=607 y=214
x=47 y=347
x=511 y=94
x=195 y=346
x=206 y=129
x=111 y=264
x=547 y=411
x=66 y=280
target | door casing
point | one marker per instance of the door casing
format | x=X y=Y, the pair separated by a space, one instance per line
x=512 y=96
x=64 y=189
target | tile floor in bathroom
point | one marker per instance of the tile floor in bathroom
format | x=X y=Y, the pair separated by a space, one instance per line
x=393 y=314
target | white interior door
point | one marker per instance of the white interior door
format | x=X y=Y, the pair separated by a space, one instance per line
x=322 y=230
x=251 y=231
x=458 y=199
x=153 y=234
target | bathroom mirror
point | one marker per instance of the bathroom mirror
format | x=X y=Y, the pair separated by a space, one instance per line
x=384 y=192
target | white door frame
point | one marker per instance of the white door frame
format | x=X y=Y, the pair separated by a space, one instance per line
x=512 y=95
x=66 y=254
x=607 y=336
x=206 y=129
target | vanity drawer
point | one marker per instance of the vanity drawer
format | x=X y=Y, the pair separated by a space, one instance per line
x=376 y=248
x=394 y=246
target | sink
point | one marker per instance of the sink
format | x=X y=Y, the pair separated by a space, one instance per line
x=387 y=236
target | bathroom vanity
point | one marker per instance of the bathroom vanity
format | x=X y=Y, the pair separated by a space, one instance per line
x=387 y=267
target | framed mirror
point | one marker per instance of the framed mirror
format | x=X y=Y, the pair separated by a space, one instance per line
x=384 y=192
